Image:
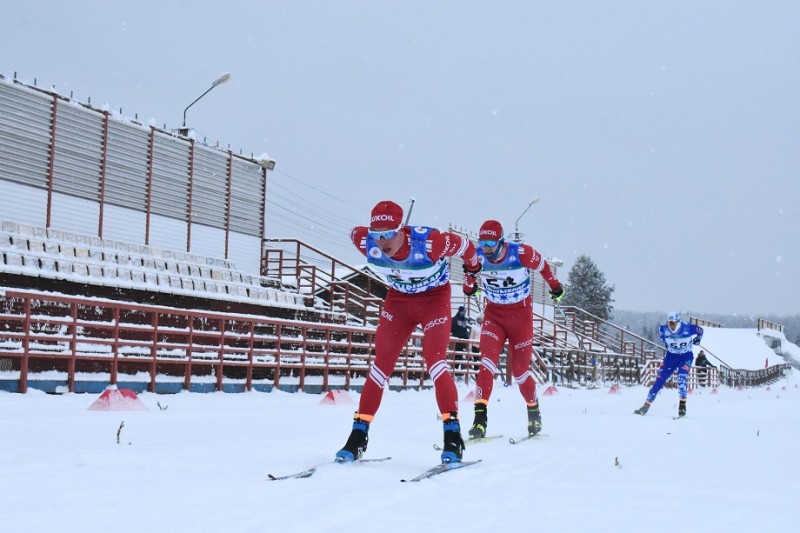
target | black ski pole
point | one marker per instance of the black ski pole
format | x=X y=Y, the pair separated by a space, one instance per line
x=410 y=208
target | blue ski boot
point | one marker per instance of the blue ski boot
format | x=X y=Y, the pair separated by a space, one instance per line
x=453 y=449
x=356 y=444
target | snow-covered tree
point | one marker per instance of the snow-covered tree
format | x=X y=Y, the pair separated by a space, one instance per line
x=587 y=288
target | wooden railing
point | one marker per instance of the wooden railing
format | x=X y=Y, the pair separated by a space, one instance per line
x=42 y=332
x=698 y=377
x=596 y=334
x=580 y=368
x=704 y=323
x=764 y=324
x=714 y=377
x=319 y=275
x=753 y=378
x=75 y=337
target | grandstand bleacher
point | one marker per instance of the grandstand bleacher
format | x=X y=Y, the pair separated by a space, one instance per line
x=62 y=255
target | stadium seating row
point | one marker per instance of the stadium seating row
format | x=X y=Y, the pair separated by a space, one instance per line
x=108 y=245
x=56 y=254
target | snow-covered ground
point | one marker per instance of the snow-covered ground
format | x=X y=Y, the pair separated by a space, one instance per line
x=201 y=464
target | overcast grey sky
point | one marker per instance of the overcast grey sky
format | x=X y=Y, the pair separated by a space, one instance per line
x=663 y=137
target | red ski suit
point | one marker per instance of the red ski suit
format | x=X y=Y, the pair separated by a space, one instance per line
x=402 y=312
x=512 y=322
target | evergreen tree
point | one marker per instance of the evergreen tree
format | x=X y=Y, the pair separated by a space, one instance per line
x=587 y=289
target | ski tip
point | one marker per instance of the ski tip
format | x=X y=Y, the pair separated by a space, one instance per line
x=271 y=477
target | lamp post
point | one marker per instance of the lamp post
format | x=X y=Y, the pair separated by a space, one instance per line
x=517 y=235
x=183 y=130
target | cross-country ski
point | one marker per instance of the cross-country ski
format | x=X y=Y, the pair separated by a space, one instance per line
x=440 y=469
x=476 y=440
x=518 y=440
x=310 y=471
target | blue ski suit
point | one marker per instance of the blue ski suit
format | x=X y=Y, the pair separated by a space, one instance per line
x=679 y=355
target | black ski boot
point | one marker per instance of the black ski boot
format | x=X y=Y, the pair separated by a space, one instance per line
x=682 y=408
x=478 y=428
x=453 y=449
x=643 y=409
x=534 y=420
x=356 y=444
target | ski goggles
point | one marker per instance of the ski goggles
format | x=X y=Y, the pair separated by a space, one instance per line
x=490 y=244
x=385 y=234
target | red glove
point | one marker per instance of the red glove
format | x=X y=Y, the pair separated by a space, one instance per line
x=470 y=285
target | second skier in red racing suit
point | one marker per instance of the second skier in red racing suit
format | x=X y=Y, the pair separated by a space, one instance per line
x=414 y=261
x=506 y=281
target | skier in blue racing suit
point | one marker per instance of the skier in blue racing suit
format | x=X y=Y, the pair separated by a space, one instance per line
x=678 y=337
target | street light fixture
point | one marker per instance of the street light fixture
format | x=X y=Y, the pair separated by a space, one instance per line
x=267 y=163
x=184 y=131
x=517 y=235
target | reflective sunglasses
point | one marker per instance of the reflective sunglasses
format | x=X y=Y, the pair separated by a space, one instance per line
x=490 y=244
x=385 y=234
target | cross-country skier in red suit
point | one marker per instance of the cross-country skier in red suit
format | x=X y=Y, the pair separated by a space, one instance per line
x=414 y=261
x=506 y=280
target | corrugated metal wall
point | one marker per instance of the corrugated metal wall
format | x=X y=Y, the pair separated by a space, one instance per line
x=78 y=151
x=82 y=169
x=25 y=131
x=209 y=188
x=128 y=148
